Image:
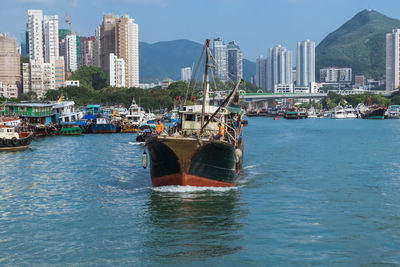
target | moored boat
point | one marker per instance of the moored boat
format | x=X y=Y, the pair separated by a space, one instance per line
x=11 y=140
x=69 y=130
x=374 y=112
x=104 y=125
x=291 y=114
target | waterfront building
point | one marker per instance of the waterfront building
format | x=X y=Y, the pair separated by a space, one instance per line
x=305 y=63
x=235 y=62
x=279 y=70
x=35 y=29
x=220 y=52
x=261 y=73
x=393 y=60
x=119 y=35
x=71 y=62
x=86 y=54
x=9 y=61
x=117 y=71
x=335 y=75
x=51 y=38
x=186 y=74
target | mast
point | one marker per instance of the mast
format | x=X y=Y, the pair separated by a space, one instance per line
x=207 y=44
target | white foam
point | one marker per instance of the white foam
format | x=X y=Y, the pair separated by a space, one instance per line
x=186 y=189
x=249 y=167
x=136 y=143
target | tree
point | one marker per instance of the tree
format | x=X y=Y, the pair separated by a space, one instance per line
x=52 y=95
x=91 y=77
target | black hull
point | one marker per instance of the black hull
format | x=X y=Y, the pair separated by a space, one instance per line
x=15 y=144
x=214 y=164
x=378 y=113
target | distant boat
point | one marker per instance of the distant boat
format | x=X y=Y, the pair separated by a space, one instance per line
x=69 y=129
x=393 y=112
x=11 y=140
x=374 y=112
x=104 y=125
x=137 y=115
x=338 y=113
x=291 y=114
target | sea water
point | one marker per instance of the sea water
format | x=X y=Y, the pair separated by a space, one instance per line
x=312 y=192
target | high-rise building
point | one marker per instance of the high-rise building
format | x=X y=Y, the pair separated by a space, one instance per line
x=235 y=62
x=97 y=49
x=51 y=38
x=71 y=62
x=119 y=35
x=305 y=63
x=117 y=71
x=86 y=55
x=186 y=74
x=220 y=52
x=279 y=70
x=392 y=60
x=9 y=61
x=35 y=29
x=24 y=44
x=261 y=73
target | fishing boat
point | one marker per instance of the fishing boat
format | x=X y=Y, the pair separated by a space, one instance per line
x=374 y=112
x=145 y=132
x=104 y=125
x=11 y=140
x=193 y=155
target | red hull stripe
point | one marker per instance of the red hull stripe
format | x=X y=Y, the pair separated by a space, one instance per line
x=185 y=179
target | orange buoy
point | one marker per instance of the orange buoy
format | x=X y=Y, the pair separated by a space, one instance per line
x=275 y=118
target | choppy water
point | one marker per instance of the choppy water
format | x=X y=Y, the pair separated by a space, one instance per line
x=312 y=192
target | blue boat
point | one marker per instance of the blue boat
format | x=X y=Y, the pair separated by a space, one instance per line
x=103 y=125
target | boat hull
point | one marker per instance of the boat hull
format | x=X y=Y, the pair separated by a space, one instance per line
x=186 y=162
x=13 y=148
x=185 y=179
x=103 y=128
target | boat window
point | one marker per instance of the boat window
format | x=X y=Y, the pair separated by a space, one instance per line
x=190 y=117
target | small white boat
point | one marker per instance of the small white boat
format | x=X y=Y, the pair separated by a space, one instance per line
x=338 y=113
x=351 y=113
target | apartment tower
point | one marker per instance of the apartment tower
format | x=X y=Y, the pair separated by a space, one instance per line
x=35 y=33
x=305 y=63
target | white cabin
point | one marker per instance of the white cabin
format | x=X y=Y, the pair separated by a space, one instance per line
x=191 y=118
x=8 y=133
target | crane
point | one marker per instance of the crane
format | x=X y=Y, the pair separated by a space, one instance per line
x=68 y=19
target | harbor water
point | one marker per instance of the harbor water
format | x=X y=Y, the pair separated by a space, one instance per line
x=312 y=192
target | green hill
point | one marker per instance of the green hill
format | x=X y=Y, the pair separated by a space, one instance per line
x=360 y=43
x=165 y=59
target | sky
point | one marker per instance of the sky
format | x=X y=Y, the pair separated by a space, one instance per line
x=255 y=25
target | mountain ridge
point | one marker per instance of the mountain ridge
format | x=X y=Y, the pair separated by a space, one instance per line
x=359 y=43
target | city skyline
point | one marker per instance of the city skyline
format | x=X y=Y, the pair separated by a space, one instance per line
x=255 y=31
